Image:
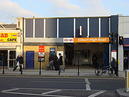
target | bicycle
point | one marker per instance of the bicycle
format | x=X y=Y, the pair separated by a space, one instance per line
x=107 y=70
x=98 y=70
x=104 y=70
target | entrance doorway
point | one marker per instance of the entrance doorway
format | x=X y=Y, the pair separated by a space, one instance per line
x=30 y=59
x=12 y=59
x=4 y=54
x=69 y=54
x=82 y=54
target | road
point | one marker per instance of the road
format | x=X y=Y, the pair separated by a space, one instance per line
x=59 y=87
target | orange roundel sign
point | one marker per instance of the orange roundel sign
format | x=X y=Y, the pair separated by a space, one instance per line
x=41 y=48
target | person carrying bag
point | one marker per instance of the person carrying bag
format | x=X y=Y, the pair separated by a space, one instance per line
x=19 y=60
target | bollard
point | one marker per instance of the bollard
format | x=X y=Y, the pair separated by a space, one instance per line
x=21 y=70
x=3 y=67
x=127 y=80
x=78 y=70
x=40 y=69
x=59 y=71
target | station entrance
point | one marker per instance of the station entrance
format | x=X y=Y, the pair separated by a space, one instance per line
x=8 y=58
x=82 y=54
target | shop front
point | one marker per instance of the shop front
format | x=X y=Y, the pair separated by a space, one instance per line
x=9 y=56
x=10 y=47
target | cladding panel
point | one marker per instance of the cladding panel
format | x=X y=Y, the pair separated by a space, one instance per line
x=83 y=23
x=29 y=28
x=104 y=27
x=94 y=27
x=39 y=28
x=51 y=28
x=124 y=25
x=66 y=27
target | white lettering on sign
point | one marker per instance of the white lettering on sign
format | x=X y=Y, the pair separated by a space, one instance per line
x=68 y=40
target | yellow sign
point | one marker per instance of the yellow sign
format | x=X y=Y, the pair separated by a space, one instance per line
x=92 y=40
x=8 y=37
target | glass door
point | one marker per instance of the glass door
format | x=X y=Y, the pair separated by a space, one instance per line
x=12 y=59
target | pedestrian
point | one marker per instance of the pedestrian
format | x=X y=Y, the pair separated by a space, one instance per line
x=19 y=60
x=114 y=66
x=55 y=63
x=60 y=62
x=94 y=61
x=126 y=62
x=51 y=64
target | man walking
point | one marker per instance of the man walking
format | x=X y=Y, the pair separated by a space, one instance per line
x=19 y=63
x=114 y=66
x=60 y=62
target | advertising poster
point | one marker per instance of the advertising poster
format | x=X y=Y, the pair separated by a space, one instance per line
x=59 y=52
x=113 y=54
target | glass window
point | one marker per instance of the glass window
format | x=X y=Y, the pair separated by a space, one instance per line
x=66 y=27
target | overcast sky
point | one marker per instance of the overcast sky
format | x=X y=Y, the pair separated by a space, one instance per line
x=10 y=9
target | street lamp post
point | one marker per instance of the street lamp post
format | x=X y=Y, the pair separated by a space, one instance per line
x=40 y=68
x=3 y=67
x=78 y=64
x=78 y=52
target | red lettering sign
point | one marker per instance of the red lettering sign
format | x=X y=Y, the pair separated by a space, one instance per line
x=4 y=35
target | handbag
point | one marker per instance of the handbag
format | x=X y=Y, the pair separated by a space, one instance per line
x=17 y=64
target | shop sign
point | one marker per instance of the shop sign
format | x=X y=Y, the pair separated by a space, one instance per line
x=8 y=37
x=68 y=40
x=92 y=40
x=113 y=54
x=41 y=56
x=61 y=52
x=41 y=48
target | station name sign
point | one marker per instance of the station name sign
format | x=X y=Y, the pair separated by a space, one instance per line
x=92 y=40
x=8 y=37
x=87 y=40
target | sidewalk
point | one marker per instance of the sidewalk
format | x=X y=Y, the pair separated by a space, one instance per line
x=67 y=72
x=122 y=93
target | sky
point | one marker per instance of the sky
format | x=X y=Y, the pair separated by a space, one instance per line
x=11 y=9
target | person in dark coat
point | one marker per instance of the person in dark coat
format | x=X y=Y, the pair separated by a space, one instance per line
x=55 y=63
x=94 y=61
x=19 y=60
x=125 y=62
x=60 y=62
x=51 y=64
x=114 y=66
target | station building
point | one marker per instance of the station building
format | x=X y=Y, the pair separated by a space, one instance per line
x=77 y=38
x=10 y=44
